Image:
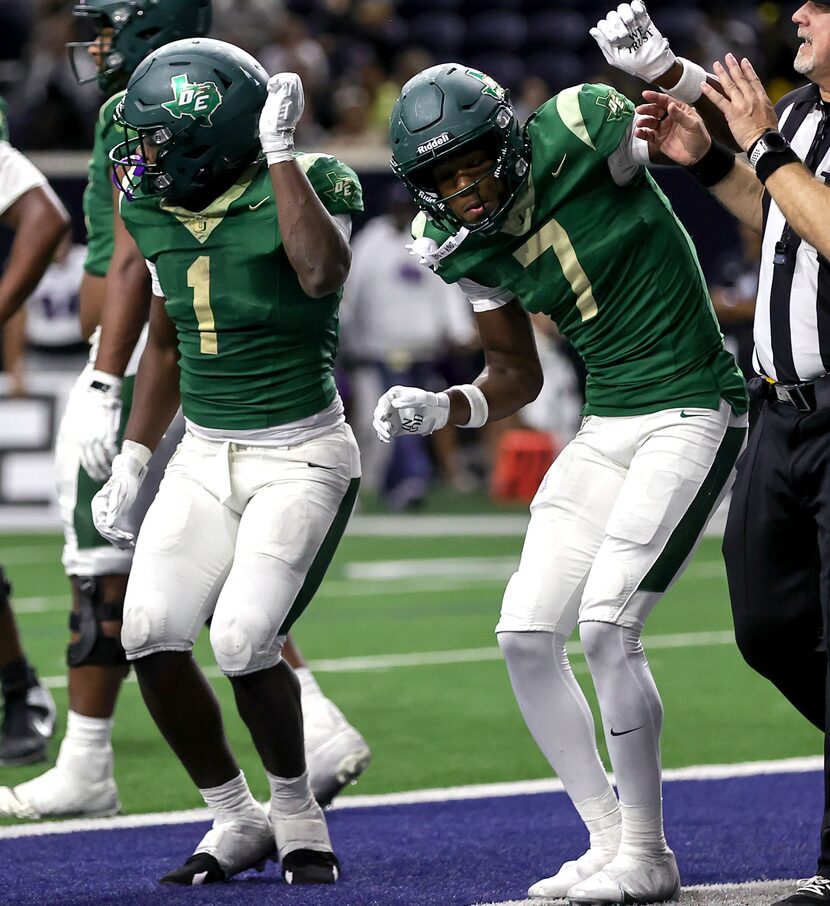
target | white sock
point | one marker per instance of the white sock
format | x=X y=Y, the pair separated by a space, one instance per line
x=602 y=818
x=290 y=796
x=297 y=819
x=631 y=707
x=85 y=754
x=642 y=830
x=232 y=801
x=95 y=732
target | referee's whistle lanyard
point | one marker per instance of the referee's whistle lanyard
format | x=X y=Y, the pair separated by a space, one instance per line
x=782 y=247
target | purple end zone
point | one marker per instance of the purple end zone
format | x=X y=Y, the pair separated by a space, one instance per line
x=435 y=854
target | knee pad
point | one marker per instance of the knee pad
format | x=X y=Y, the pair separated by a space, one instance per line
x=240 y=644
x=93 y=647
x=5 y=590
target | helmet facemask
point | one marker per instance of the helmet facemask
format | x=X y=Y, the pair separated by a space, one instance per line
x=97 y=59
x=146 y=161
x=509 y=169
x=122 y=32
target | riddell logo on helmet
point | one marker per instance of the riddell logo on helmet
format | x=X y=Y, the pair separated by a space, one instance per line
x=436 y=142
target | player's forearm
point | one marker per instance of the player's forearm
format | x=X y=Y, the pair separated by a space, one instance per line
x=316 y=248
x=155 y=397
x=741 y=194
x=39 y=227
x=715 y=121
x=804 y=202
x=125 y=313
x=14 y=349
x=508 y=387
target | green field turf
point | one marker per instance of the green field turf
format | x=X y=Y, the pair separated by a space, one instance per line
x=432 y=724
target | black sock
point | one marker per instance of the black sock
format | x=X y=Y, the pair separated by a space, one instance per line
x=17 y=678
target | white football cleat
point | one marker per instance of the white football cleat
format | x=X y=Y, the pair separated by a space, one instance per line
x=557 y=886
x=630 y=879
x=228 y=848
x=336 y=754
x=57 y=794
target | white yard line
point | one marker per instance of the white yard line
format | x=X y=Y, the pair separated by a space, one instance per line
x=447 y=794
x=368 y=663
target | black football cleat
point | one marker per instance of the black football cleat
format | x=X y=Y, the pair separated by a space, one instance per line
x=28 y=724
x=228 y=848
x=200 y=868
x=809 y=893
x=310 y=866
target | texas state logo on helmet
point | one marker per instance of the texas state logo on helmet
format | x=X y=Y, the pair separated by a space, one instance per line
x=125 y=31
x=441 y=111
x=190 y=112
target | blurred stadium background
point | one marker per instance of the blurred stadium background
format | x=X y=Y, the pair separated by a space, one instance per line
x=401 y=632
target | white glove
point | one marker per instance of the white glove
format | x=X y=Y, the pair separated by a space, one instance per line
x=100 y=416
x=424 y=249
x=282 y=111
x=409 y=410
x=630 y=41
x=112 y=504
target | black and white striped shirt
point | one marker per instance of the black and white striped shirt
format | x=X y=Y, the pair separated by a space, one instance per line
x=792 y=315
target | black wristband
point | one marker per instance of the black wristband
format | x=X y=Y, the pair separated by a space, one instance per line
x=715 y=165
x=768 y=163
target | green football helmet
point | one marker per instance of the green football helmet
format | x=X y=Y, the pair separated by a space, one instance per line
x=138 y=27
x=190 y=114
x=442 y=111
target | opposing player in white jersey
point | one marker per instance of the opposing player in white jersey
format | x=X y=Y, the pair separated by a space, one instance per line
x=30 y=208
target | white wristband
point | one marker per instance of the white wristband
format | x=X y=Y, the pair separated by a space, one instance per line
x=688 y=87
x=137 y=452
x=279 y=147
x=479 y=410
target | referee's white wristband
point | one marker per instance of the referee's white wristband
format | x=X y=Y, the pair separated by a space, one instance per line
x=688 y=87
x=479 y=410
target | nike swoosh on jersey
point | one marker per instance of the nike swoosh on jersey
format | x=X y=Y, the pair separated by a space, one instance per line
x=558 y=170
x=317 y=465
x=259 y=204
x=624 y=732
x=685 y=414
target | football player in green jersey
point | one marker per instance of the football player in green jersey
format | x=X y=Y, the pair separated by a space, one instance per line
x=560 y=216
x=248 y=255
x=116 y=292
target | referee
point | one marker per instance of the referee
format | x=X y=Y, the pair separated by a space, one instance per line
x=777 y=539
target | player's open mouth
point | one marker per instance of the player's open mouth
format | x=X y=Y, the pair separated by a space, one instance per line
x=475 y=209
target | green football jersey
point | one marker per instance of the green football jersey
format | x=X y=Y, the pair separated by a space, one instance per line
x=254 y=350
x=98 y=192
x=610 y=264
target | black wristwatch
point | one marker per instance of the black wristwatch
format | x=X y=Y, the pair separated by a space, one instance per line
x=771 y=142
x=770 y=152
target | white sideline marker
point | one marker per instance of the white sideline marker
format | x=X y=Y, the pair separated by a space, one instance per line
x=413 y=797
